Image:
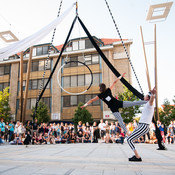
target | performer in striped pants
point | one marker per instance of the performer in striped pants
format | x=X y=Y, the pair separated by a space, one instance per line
x=113 y=103
x=143 y=127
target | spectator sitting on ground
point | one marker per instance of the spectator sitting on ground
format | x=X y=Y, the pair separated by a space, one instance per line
x=87 y=138
x=13 y=139
x=107 y=138
x=80 y=137
x=35 y=140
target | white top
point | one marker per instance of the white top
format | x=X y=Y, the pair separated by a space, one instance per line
x=102 y=126
x=147 y=114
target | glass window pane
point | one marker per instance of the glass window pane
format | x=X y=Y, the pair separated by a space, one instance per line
x=48 y=64
x=95 y=59
x=87 y=79
x=2 y=70
x=45 y=50
x=74 y=63
x=39 y=51
x=81 y=59
x=24 y=85
x=33 y=102
x=81 y=99
x=30 y=84
x=28 y=104
x=95 y=102
x=35 y=66
x=66 y=101
x=75 y=45
x=1 y=86
x=66 y=81
x=88 y=44
x=41 y=65
x=67 y=59
x=88 y=59
x=6 y=85
x=24 y=67
x=73 y=101
x=7 y=69
x=73 y=81
x=39 y=84
x=34 y=84
x=46 y=100
x=96 y=79
x=82 y=44
x=45 y=81
x=87 y=98
x=34 y=52
x=81 y=80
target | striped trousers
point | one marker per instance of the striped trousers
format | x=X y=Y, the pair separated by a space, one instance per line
x=125 y=105
x=141 y=130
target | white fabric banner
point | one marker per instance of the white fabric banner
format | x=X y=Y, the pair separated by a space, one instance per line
x=25 y=43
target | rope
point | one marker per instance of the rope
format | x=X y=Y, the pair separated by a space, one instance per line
x=124 y=46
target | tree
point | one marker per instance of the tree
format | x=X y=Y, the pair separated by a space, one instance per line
x=4 y=105
x=167 y=113
x=128 y=113
x=42 y=114
x=82 y=115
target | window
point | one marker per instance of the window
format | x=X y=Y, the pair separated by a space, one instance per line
x=66 y=81
x=81 y=59
x=25 y=67
x=87 y=98
x=34 y=84
x=95 y=102
x=41 y=65
x=66 y=101
x=1 y=86
x=87 y=79
x=35 y=66
x=81 y=99
x=45 y=81
x=28 y=104
x=73 y=81
x=88 y=44
x=96 y=79
x=88 y=59
x=46 y=100
x=75 y=45
x=39 y=51
x=73 y=101
x=80 y=80
x=82 y=44
x=72 y=64
x=7 y=69
x=48 y=64
x=24 y=85
x=1 y=70
x=95 y=59
x=33 y=102
x=45 y=50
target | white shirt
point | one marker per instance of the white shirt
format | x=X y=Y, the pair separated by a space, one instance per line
x=102 y=126
x=147 y=114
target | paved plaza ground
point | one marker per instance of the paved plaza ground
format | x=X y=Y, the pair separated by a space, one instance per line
x=85 y=159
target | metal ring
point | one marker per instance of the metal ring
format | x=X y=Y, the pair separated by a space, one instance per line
x=71 y=92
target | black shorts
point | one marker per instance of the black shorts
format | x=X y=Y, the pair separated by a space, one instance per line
x=103 y=133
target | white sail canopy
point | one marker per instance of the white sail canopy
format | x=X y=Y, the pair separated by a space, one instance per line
x=33 y=39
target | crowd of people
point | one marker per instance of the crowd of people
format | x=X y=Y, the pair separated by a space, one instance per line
x=54 y=133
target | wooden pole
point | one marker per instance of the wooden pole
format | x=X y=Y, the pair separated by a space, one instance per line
x=21 y=86
x=155 y=64
x=27 y=83
x=146 y=63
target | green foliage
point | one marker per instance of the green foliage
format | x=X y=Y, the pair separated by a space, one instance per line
x=128 y=113
x=82 y=115
x=4 y=105
x=42 y=114
x=168 y=112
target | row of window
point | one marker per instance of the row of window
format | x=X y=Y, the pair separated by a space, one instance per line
x=75 y=100
x=79 y=45
x=37 y=66
x=4 y=70
x=88 y=59
x=35 y=84
x=80 y=80
x=31 y=102
x=3 y=86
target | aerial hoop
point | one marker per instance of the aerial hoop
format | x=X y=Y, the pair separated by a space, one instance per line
x=78 y=93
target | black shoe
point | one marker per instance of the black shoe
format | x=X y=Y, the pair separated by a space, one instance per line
x=161 y=148
x=134 y=158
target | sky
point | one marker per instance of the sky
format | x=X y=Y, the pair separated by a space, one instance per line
x=25 y=17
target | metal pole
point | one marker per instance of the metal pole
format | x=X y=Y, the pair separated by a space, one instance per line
x=21 y=85
x=155 y=64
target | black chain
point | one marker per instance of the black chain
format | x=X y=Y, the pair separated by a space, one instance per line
x=49 y=50
x=124 y=46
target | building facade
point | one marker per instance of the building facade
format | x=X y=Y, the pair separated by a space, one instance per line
x=74 y=77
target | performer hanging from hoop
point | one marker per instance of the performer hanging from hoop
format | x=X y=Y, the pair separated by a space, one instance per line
x=114 y=104
x=143 y=127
